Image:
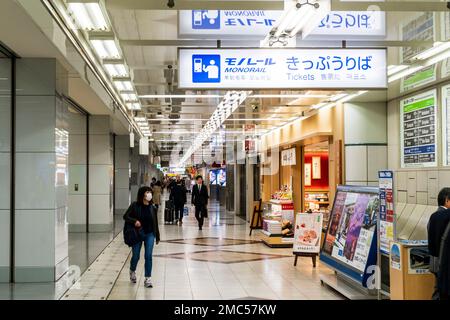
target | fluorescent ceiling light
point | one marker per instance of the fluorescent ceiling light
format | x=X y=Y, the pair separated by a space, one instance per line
x=404 y=73
x=393 y=69
x=288 y=96
x=89 y=15
x=437 y=48
x=134 y=106
x=124 y=85
x=179 y=96
x=116 y=70
x=129 y=97
x=106 y=49
x=140 y=119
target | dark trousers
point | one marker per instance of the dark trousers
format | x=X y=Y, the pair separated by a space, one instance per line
x=200 y=214
x=179 y=208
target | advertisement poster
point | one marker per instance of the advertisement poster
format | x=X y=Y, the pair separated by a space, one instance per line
x=308 y=232
x=396 y=257
x=222 y=177
x=445 y=124
x=213 y=177
x=352 y=228
x=316 y=168
x=418 y=136
x=307 y=174
x=386 y=185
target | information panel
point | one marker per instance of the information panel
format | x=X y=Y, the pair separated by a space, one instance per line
x=282 y=68
x=445 y=124
x=386 y=185
x=418 y=136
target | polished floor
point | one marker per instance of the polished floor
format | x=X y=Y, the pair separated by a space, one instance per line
x=220 y=262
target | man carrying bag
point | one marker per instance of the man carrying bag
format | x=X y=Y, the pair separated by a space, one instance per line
x=200 y=201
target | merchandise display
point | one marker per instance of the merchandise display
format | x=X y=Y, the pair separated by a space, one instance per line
x=350 y=241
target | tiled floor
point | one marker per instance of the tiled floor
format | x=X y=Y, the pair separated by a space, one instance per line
x=220 y=262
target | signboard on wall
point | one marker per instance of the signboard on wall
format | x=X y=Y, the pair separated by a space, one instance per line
x=387 y=217
x=419 y=78
x=418 y=136
x=288 y=157
x=282 y=68
x=421 y=28
x=446 y=124
x=308 y=232
x=316 y=168
x=307 y=174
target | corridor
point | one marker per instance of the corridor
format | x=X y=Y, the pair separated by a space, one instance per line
x=220 y=262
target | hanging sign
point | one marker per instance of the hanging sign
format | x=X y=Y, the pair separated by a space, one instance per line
x=282 y=68
x=288 y=157
x=352 y=24
x=226 y=23
x=418 y=134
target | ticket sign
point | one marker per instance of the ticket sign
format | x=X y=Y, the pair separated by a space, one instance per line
x=223 y=24
x=282 y=68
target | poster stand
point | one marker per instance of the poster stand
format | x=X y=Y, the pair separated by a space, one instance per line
x=257 y=221
x=312 y=255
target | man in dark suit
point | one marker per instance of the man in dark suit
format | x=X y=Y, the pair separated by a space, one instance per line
x=436 y=227
x=200 y=201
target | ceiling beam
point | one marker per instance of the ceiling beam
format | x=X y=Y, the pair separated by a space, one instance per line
x=196 y=4
x=255 y=44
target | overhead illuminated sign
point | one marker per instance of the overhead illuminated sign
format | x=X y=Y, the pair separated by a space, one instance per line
x=351 y=24
x=282 y=68
x=223 y=24
x=226 y=23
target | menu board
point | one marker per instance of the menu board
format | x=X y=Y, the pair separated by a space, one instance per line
x=418 y=136
x=308 y=232
x=386 y=185
x=445 y=124
x=352 y=227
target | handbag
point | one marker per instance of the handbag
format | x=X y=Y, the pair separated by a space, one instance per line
x=131 y=234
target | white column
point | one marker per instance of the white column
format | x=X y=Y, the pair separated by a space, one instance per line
x=365 y=142
x=41 y=244
x=100 y=174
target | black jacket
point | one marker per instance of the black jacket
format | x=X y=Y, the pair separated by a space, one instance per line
x=178 y=195
x=443 y=279
x=436 y=228
x=200 y=197
x=134 y=213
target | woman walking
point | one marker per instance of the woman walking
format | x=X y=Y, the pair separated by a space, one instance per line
x=143 y=216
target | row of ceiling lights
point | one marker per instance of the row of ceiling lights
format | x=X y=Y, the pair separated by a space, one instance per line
x=92 y=17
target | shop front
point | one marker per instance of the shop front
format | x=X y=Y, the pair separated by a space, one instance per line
x=301 y=167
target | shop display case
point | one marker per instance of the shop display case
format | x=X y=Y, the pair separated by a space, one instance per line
x=318 y=201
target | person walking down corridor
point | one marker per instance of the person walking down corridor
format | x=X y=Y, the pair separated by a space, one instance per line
x=143 y=216
x=178 y=197
x=200 y=201
x=157 y=190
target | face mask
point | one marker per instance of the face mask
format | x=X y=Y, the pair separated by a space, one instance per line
x=149 y=197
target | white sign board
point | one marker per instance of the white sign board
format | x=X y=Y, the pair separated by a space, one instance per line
x=352 y=24
x=223 y=24
x=288 y=157
x=282 y=68
x=227 y=24
x=446 y=124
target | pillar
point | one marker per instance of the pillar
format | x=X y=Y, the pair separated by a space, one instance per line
x=100 y=174
x=365 y=127
x=122 y=173
x=41 y=157
x=77 y=211
x=5 y=167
